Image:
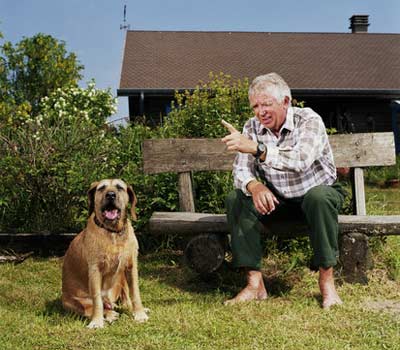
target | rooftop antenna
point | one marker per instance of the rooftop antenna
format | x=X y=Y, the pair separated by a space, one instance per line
x=124 y=26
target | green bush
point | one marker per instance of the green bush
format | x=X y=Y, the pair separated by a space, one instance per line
x=199 y=113
x=47 y=161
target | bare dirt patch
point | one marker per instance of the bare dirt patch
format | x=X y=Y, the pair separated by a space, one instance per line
x=390 y=306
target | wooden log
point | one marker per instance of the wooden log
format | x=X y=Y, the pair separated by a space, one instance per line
x=363 y=149
x=14 y=258
x=185 y=188
x=354 y=258
x=39 y=243
x=370 y=225
x=196 y=223
x=182 y=155
x=187 y=223
x=358 y=192
x=205 y=253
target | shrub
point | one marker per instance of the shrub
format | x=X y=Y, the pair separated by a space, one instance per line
x=199 y=113
x=46 y=161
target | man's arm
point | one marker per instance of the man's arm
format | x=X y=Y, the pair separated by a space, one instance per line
x=243 y=169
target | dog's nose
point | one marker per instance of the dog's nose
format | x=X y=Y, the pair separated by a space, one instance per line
x=110 y=195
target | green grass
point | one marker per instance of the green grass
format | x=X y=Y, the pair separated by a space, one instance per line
x=382 y=201
x=187 y=312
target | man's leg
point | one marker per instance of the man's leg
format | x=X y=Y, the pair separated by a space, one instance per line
x=245 y=227
x=321 y=206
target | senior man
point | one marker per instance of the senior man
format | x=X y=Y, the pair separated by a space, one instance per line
x=284 y=162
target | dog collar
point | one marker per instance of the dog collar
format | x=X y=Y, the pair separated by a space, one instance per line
x=98 y=223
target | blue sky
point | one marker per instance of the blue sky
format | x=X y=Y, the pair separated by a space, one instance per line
x=91 y=28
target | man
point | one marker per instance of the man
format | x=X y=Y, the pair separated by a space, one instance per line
x=284 y=162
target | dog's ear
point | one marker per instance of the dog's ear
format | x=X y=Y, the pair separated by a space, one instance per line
x=90 y=193
x=133 y=201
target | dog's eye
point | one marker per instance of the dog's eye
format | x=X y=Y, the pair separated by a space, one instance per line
x=101 y=188
x=119 y=188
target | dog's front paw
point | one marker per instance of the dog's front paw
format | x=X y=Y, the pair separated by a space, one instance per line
x=141 y=316
x=96 y=324
x=111 y=316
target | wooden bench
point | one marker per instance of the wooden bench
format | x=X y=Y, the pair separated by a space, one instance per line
x=208 y=232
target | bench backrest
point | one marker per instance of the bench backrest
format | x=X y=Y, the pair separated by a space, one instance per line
x=186 y=155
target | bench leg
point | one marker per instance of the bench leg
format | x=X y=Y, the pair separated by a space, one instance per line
x=354 y=258
x=205 y=253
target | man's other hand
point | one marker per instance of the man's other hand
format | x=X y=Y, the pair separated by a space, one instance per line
x=264 y=200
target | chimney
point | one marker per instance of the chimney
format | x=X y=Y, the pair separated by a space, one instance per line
x=359 y=23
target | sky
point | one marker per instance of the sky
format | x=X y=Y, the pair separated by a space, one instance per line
x=91 y=28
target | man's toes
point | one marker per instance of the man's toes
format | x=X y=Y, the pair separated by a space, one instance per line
x=327 y=304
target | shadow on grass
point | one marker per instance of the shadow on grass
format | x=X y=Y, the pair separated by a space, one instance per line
x=54 y=307
x=169 y=267
x=57 y=315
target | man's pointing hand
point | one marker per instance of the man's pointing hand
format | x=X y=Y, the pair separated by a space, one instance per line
x=237 y=142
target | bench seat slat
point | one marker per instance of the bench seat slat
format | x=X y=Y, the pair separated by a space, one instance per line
x=194 y=223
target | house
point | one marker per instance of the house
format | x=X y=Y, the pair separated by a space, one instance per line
x=351 y=79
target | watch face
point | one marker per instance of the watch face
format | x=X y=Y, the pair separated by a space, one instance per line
x=260 y=149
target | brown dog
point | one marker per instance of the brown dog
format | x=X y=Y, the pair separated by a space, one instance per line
x=100 y=265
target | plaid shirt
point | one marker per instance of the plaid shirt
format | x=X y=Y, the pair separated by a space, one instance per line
x=297 y=160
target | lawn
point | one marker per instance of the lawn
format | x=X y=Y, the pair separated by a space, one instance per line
x=187 y=311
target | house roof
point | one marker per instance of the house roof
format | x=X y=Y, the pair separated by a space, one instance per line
x=169 y=60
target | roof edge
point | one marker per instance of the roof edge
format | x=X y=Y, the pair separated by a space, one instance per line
x=392 y=93
x=249 y=32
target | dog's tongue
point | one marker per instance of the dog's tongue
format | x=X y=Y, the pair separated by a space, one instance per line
x=111 y=214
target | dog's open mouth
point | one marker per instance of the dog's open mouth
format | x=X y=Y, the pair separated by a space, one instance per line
x=111 y=214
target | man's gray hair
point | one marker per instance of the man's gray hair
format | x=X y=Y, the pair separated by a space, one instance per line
x=271 y=84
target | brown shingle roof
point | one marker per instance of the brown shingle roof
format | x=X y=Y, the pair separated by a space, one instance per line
x=175 y=60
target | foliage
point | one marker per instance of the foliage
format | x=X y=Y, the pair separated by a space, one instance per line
x=199 y=113
x=47 y=161
x=33 y=68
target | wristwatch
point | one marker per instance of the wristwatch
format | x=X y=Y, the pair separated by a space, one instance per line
x=261 y=148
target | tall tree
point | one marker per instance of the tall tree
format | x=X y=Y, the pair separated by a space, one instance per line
x=35 y=67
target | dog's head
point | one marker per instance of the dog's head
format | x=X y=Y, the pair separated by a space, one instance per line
x=109 y=200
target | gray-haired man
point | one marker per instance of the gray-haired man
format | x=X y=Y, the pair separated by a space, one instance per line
x=284 y=161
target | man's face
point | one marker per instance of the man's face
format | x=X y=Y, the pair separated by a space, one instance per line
x=270 y=112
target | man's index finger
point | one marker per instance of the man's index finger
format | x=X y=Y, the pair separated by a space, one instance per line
x=229 y=126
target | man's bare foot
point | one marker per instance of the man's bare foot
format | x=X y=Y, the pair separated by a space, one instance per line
x=254 y=290
x=327 y=288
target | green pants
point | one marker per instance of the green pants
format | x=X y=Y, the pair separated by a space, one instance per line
x=319 y=207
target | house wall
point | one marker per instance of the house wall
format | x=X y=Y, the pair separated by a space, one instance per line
x=154 y=108
x=351 y=114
